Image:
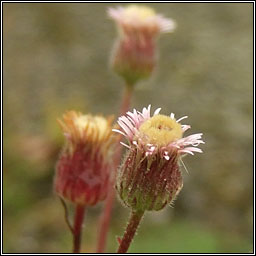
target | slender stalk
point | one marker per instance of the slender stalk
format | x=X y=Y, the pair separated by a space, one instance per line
x=106 y=215
x=77 y=229
x=104 y=221
x=126 y=101
x=130 y=231
x=66 y=215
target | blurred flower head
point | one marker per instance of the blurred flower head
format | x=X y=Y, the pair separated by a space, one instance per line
x=83 y=169
x=149 y=177
x=139 y=19
x=134 y=54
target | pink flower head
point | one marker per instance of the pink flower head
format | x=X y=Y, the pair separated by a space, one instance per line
x=134 y=54
x=140 y=19
x=149 y=177
x=131 y=129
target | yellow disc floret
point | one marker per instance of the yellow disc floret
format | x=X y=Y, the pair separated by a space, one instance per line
x=139 y=12
x=161 y=130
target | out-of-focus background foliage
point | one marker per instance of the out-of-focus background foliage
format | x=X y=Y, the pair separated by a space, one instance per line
x=56 y=58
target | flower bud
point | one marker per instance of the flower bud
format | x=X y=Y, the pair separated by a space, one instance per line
x=149 y=177
x=134 y=55
x=134 y=60
x=83 y=169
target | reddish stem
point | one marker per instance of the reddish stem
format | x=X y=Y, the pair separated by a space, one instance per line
x=130 y=231
x=77 y=229
x=104 y=221
x=126 y=101
x=106 y=215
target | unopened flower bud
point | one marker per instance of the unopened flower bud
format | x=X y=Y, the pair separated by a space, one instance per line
x=149 y=177
x=134 y=55
x=83 y=169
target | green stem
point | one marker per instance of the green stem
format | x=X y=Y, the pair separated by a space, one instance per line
x=130 y=231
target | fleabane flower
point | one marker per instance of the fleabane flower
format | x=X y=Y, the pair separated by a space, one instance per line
x=138 y=19
x=83 y=169
x=149 y=177
x=134 y=55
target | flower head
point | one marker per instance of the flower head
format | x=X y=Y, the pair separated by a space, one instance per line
x=134 y=55
x=149 y=177
x=140 y=19
x=83 y=169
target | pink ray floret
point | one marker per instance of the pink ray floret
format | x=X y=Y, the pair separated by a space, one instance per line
x=134 y=20
x=131 y=123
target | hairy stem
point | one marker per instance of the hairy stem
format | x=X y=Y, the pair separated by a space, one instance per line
x=130 y=231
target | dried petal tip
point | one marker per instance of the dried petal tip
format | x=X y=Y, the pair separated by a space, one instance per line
x=83 y=169
x=149 y=177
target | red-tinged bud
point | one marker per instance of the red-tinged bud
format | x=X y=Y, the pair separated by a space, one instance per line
x=83 y=169
x=134 y=58
x=145 y=183
x=134 y=55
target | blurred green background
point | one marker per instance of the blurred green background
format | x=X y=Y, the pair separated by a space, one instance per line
x=56 y=58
